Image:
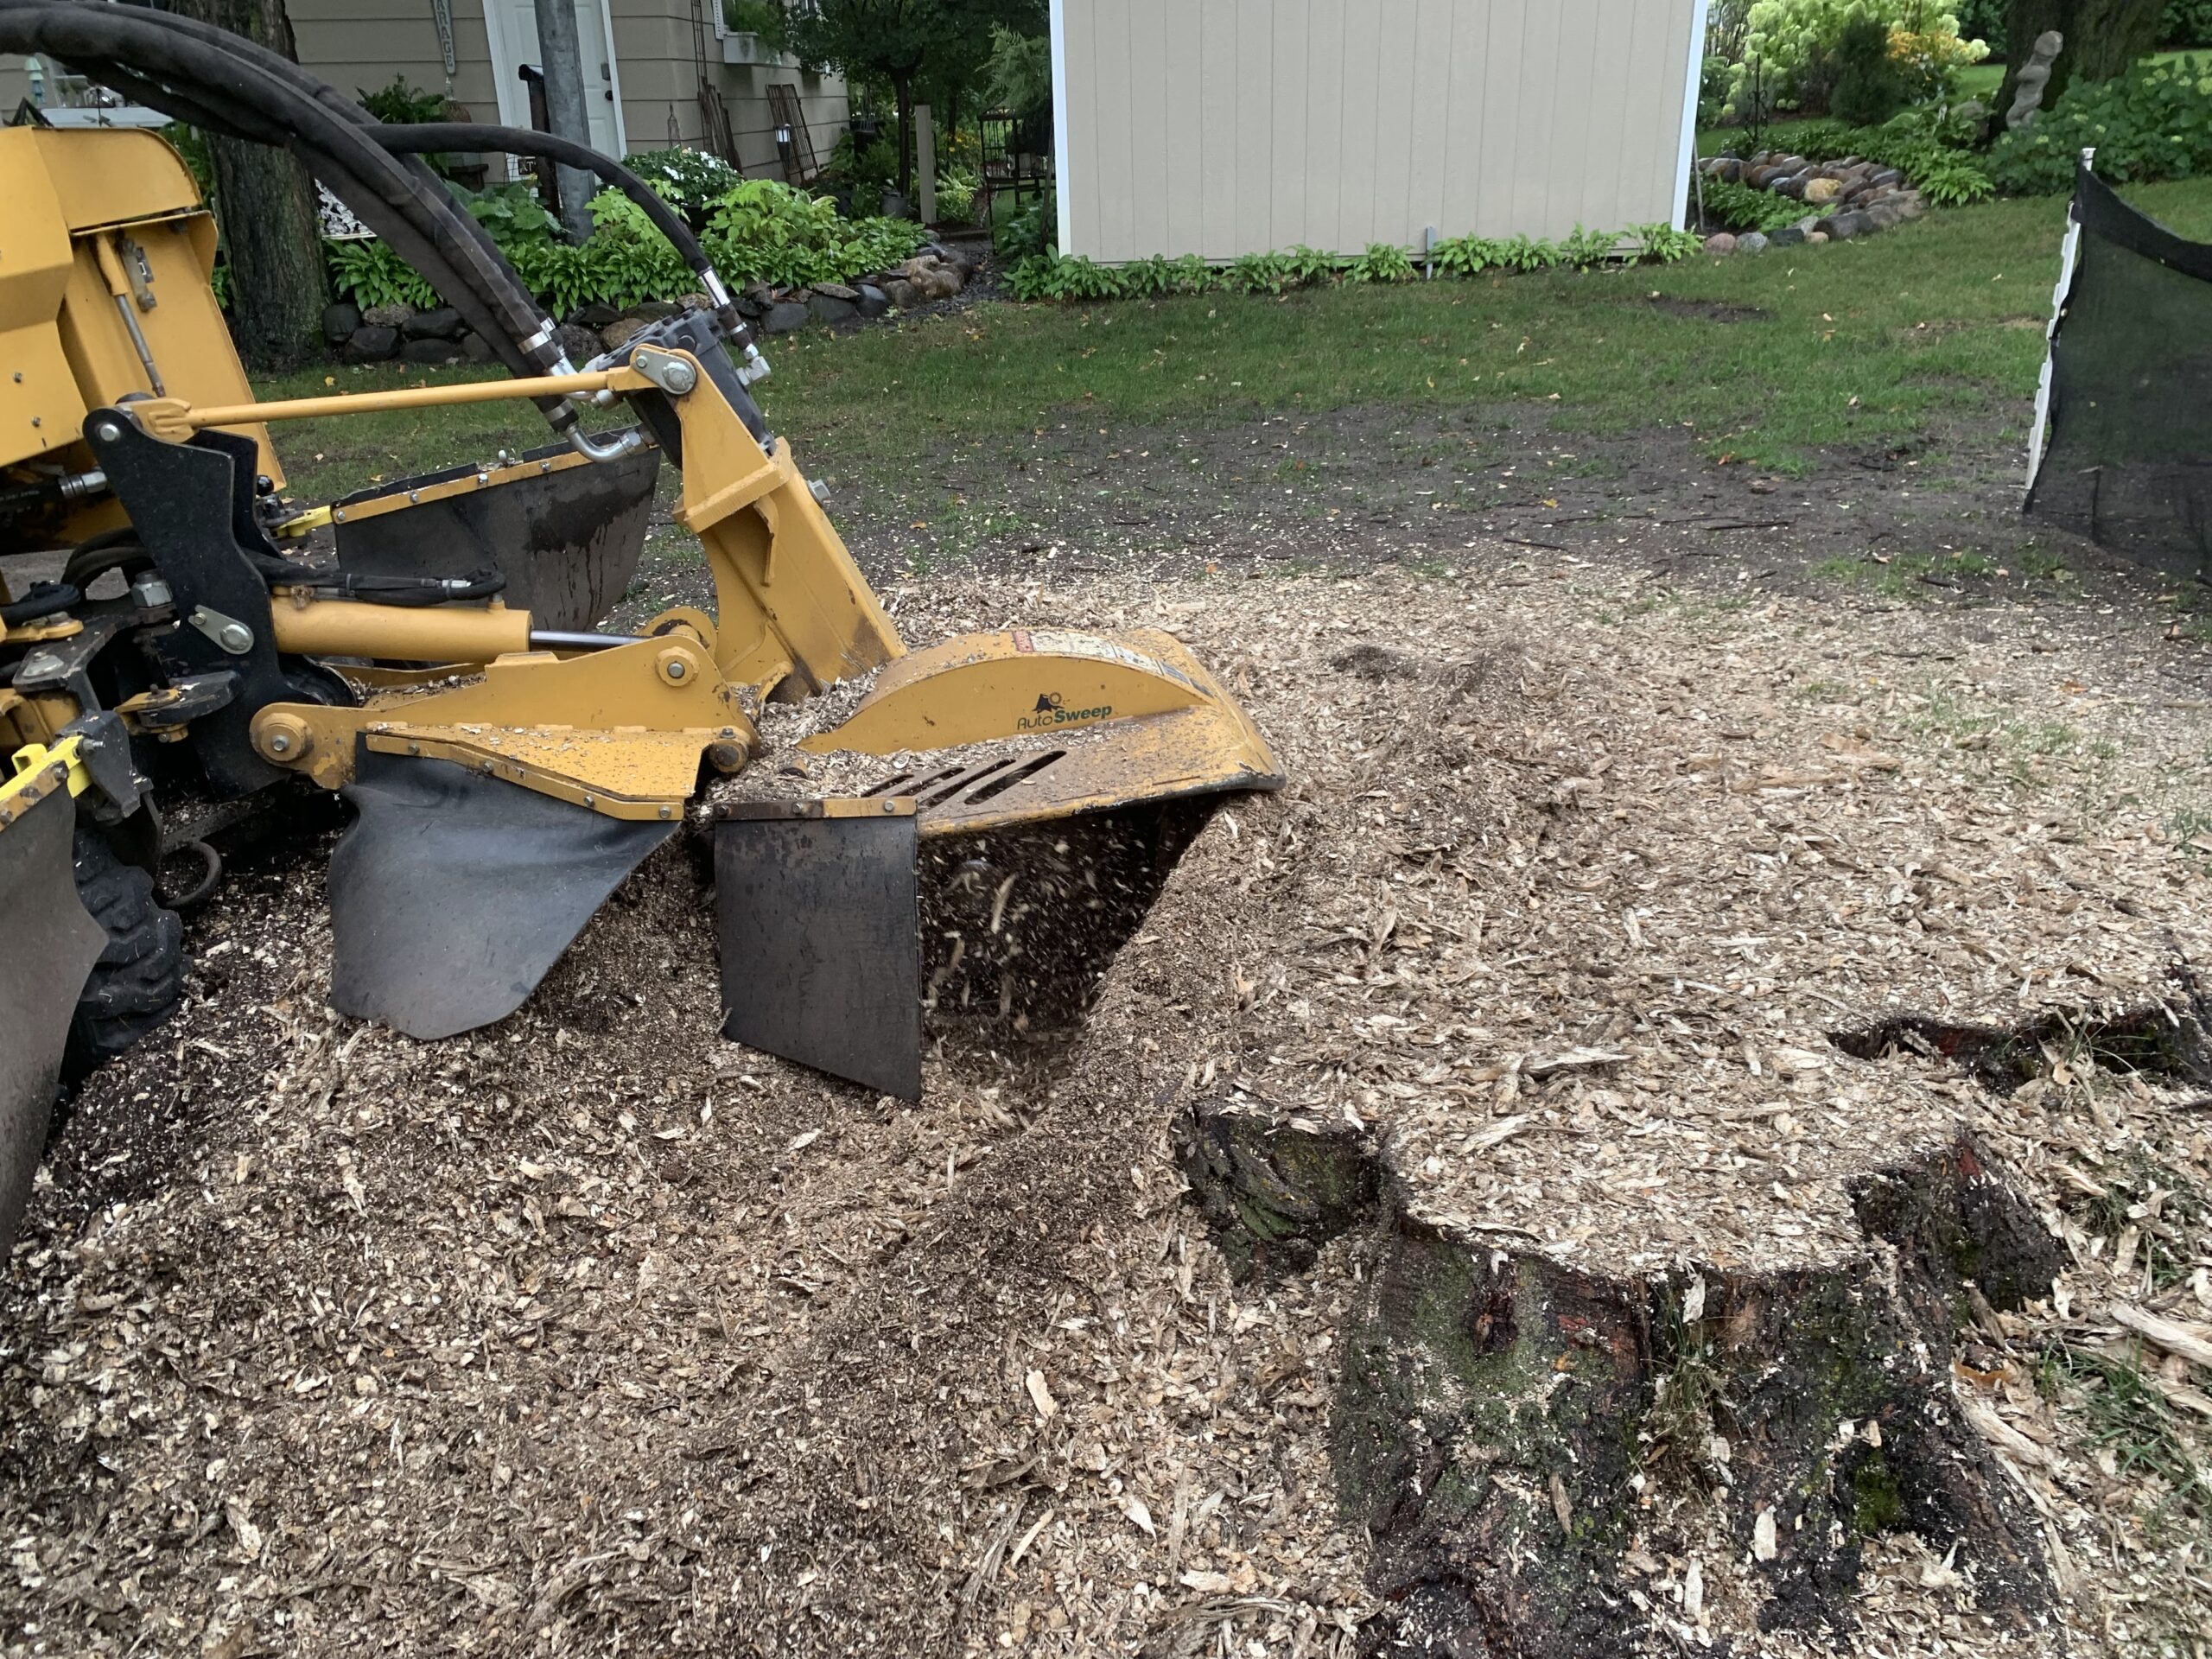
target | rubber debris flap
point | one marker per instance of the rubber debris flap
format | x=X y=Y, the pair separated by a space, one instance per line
x=454 y=892
x=821 y=942
x=52 y=945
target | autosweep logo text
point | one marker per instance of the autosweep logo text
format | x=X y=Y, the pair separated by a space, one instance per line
x=1050 y=711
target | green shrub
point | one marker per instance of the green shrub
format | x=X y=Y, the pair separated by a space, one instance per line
x=1033 y=229
x=2154 y=121
x=1662 y=244
x=956 y=196
x=870 y=169
x=2186 y=22
x=1463 y=255
x=1794 y=44
x=402 y=105
x=1144 y=279
x=758 y=231
x=762 y=17
x=1583 y=249
x=691 y=181
x=1383 y=261
x=371 y=274
x=1191 y=274
x=1052 y=276
x=1310 y=266
x=1262 y=273
x=1868 y=88
x=1739 y=207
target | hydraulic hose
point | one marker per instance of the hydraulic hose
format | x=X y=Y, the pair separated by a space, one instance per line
x=227 y=84
x=230 y=86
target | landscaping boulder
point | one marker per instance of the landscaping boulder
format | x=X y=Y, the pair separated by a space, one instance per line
x=1788 y=236
x=932 y=278
x=1887 y=175
x=829 y=307
x=1884 y=216
x=654 y=310
x=1910 y=205
x=1816 y=236
x=339 y=322
x=749 y=307
x=476 y=348
x=838 y=291
x=388 y=316
x=1720 y=243
x=1751 y=242
x=430 y=351
x=620 y=332
x=902 y=293
x=1821 y=191
x=371 y=343
x=597 y=314
x=874 y=301
x=961 y=258
x=783 y=317
x=1844 y=227
x=443 y=323
x=580 y=344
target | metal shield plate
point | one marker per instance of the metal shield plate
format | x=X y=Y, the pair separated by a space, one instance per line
x=52 y=945
x=454 y=892
x=821 y=947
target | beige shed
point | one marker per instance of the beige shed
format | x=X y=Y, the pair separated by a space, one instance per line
x=1227 y=127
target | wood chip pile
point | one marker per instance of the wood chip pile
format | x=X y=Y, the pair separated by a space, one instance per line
x=592 y=1333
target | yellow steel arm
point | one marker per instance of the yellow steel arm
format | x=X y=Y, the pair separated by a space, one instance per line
x=176 y=420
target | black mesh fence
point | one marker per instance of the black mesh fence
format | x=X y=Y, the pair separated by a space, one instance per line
x=2124 y=446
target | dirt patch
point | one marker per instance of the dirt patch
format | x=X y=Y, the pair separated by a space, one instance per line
x=1707 y=310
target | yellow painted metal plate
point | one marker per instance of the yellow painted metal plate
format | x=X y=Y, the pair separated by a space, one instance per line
x=976 y=688
x=634 y=774
x=1095 y=722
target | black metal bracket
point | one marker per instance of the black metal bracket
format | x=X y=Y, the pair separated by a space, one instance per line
x=191 y=506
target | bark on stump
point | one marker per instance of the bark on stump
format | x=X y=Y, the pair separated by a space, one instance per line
x=1507 y=1426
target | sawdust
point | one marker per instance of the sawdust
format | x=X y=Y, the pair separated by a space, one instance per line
x=590 y=1333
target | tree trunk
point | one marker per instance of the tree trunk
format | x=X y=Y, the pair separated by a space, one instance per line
x=2102 y=38
x=266 y=204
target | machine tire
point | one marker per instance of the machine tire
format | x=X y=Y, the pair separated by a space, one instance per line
x=136 y=982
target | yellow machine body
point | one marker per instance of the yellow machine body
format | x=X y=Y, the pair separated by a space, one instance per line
x=466 y=737
x=107 y=249
x=625 y=731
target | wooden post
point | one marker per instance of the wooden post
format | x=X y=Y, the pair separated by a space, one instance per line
x=926 y=162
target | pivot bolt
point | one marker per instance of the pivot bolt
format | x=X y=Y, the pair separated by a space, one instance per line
x=675 y=664
x=285 y=738
x=728 y=756
x=235 y=637
x=106 y=431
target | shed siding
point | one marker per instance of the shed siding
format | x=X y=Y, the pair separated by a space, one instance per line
x=1225 y=127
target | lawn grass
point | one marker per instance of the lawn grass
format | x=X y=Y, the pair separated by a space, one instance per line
x=1888 y=341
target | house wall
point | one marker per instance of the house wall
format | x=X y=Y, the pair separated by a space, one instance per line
x=1225 y=127
x=359 y=45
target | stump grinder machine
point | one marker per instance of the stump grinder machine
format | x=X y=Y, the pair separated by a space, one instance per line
x=438 y=666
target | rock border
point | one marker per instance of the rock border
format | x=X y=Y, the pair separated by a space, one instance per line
x=1853 y=197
